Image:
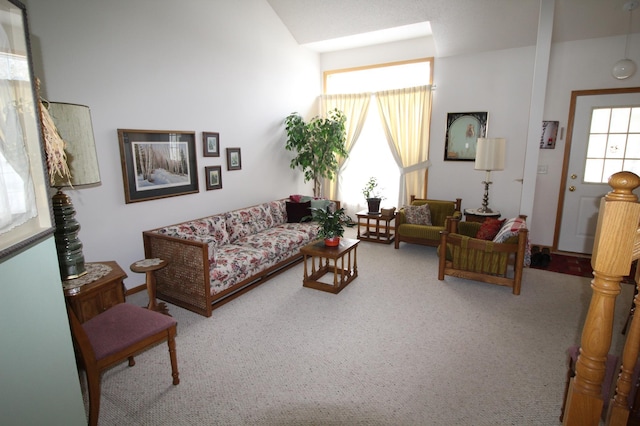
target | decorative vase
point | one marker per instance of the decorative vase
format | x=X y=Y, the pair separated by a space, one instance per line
x=332 y=242
x=374 y=205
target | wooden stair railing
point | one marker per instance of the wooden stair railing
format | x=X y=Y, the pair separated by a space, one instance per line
x=615 y=247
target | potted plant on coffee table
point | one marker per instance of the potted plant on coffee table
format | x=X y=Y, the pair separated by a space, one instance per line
x=372 y=195
x=331 y=225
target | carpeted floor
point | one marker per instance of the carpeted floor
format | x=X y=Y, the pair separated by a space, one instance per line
x=395 y=347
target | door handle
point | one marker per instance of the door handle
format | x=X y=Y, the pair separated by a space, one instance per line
x=572 y=188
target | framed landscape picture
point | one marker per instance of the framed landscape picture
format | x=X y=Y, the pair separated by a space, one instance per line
x=157 y=164
x=234 y=162
x=463 y=131
x=211 y=144
x=213 y=176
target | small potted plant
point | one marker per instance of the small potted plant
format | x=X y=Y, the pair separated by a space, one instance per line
x=372 y=195
x=331 y=225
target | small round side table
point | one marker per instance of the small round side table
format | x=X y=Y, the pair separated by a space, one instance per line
x=149 y=266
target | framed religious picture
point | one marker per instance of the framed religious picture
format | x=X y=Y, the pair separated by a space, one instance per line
x=463 y=131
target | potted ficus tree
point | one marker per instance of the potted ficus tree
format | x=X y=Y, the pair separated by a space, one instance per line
x=372 y=194
x=331 y=224
x=318 y=145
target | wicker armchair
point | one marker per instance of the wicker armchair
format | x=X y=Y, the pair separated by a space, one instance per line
x=428 y=235
x=464 y=256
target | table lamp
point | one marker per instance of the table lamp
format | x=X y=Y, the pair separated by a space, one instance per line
x=490 y=155
x=73 y=123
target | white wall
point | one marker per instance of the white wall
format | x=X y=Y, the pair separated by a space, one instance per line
x=227 y=67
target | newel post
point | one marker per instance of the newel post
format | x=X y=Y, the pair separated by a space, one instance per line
x=613 y=252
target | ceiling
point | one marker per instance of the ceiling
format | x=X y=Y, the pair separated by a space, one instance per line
x=457 y=26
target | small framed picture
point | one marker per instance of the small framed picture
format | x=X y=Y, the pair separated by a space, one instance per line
x=549 y=134
x=213 y=175
x=211 y=144
x=233 y=159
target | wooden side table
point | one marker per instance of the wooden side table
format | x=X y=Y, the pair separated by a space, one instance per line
x=473 y=215
x=320 y=255
x=149 y=266
x=375 y=227
x=96 y=291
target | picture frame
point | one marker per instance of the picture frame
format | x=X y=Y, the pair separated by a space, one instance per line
x=157 y=164
x=234 y=160
x=31 y=221
x=211 y=144
x=213 y=175
x=549 y=134
x=463 y=131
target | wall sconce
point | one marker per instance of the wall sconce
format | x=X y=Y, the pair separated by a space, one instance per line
x=625 y=68
x=490 y=155
x=73 y=123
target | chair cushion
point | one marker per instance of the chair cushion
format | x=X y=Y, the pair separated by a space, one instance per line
x=489 y=228
x=121 y=326
x=418 y=215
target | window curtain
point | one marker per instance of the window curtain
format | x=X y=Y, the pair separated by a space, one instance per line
x=405 y=118
x=355 y=107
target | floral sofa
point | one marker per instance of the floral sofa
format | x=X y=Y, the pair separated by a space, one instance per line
x=216 y=258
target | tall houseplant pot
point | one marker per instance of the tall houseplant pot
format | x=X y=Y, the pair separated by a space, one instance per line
x=374 y=205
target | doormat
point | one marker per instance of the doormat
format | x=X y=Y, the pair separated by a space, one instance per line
x=579 y=266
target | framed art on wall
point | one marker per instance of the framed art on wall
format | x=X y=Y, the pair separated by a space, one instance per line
x=463 y=131
x=25 y=214
x=549 y=134
x=157 y=164
x=211 y=144
x=213 y=176
x=234 y=161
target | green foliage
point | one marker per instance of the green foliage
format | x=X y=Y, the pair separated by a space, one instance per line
x=318 y=144
x=370 y=189
x=331 y=224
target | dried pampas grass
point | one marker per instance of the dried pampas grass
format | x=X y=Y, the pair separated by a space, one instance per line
x=53 y=145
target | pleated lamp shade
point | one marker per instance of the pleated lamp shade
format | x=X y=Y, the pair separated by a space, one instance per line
x=490 y=153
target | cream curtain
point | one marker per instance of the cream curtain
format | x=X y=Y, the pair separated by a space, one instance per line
x=405 y=118
x=355 y=107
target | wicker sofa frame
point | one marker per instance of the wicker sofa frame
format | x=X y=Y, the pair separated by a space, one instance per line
x=185 y=281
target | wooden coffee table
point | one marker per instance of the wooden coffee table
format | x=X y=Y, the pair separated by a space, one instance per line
x=325 y=260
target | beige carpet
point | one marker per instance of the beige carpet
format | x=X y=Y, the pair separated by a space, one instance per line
x=396 y=347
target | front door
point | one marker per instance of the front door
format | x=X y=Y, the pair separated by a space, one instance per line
x=604 y=139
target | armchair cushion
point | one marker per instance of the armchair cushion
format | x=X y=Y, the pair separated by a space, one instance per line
x=489 y=228
x=418 y=215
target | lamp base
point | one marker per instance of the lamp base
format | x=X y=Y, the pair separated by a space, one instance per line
x=68 y=246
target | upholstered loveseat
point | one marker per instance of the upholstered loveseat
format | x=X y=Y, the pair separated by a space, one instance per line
x=216 y=258
x=498 y=258
x=420 y=232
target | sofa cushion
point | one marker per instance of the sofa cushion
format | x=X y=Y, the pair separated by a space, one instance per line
x=418 y=215
x=278 y=211
x=489 y=228
x=296 y=212
x=248 y=221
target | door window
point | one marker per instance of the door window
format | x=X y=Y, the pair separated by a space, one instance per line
x=614 y=143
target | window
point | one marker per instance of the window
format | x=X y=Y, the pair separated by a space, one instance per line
x=370 y=155
x=614 y=143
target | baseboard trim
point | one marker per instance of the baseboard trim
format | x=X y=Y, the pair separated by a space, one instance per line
x=134 y=290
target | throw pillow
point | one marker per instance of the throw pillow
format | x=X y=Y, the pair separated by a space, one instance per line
x=418 y=215
x=296 y=212
x=320 y=204
x=489 y=228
